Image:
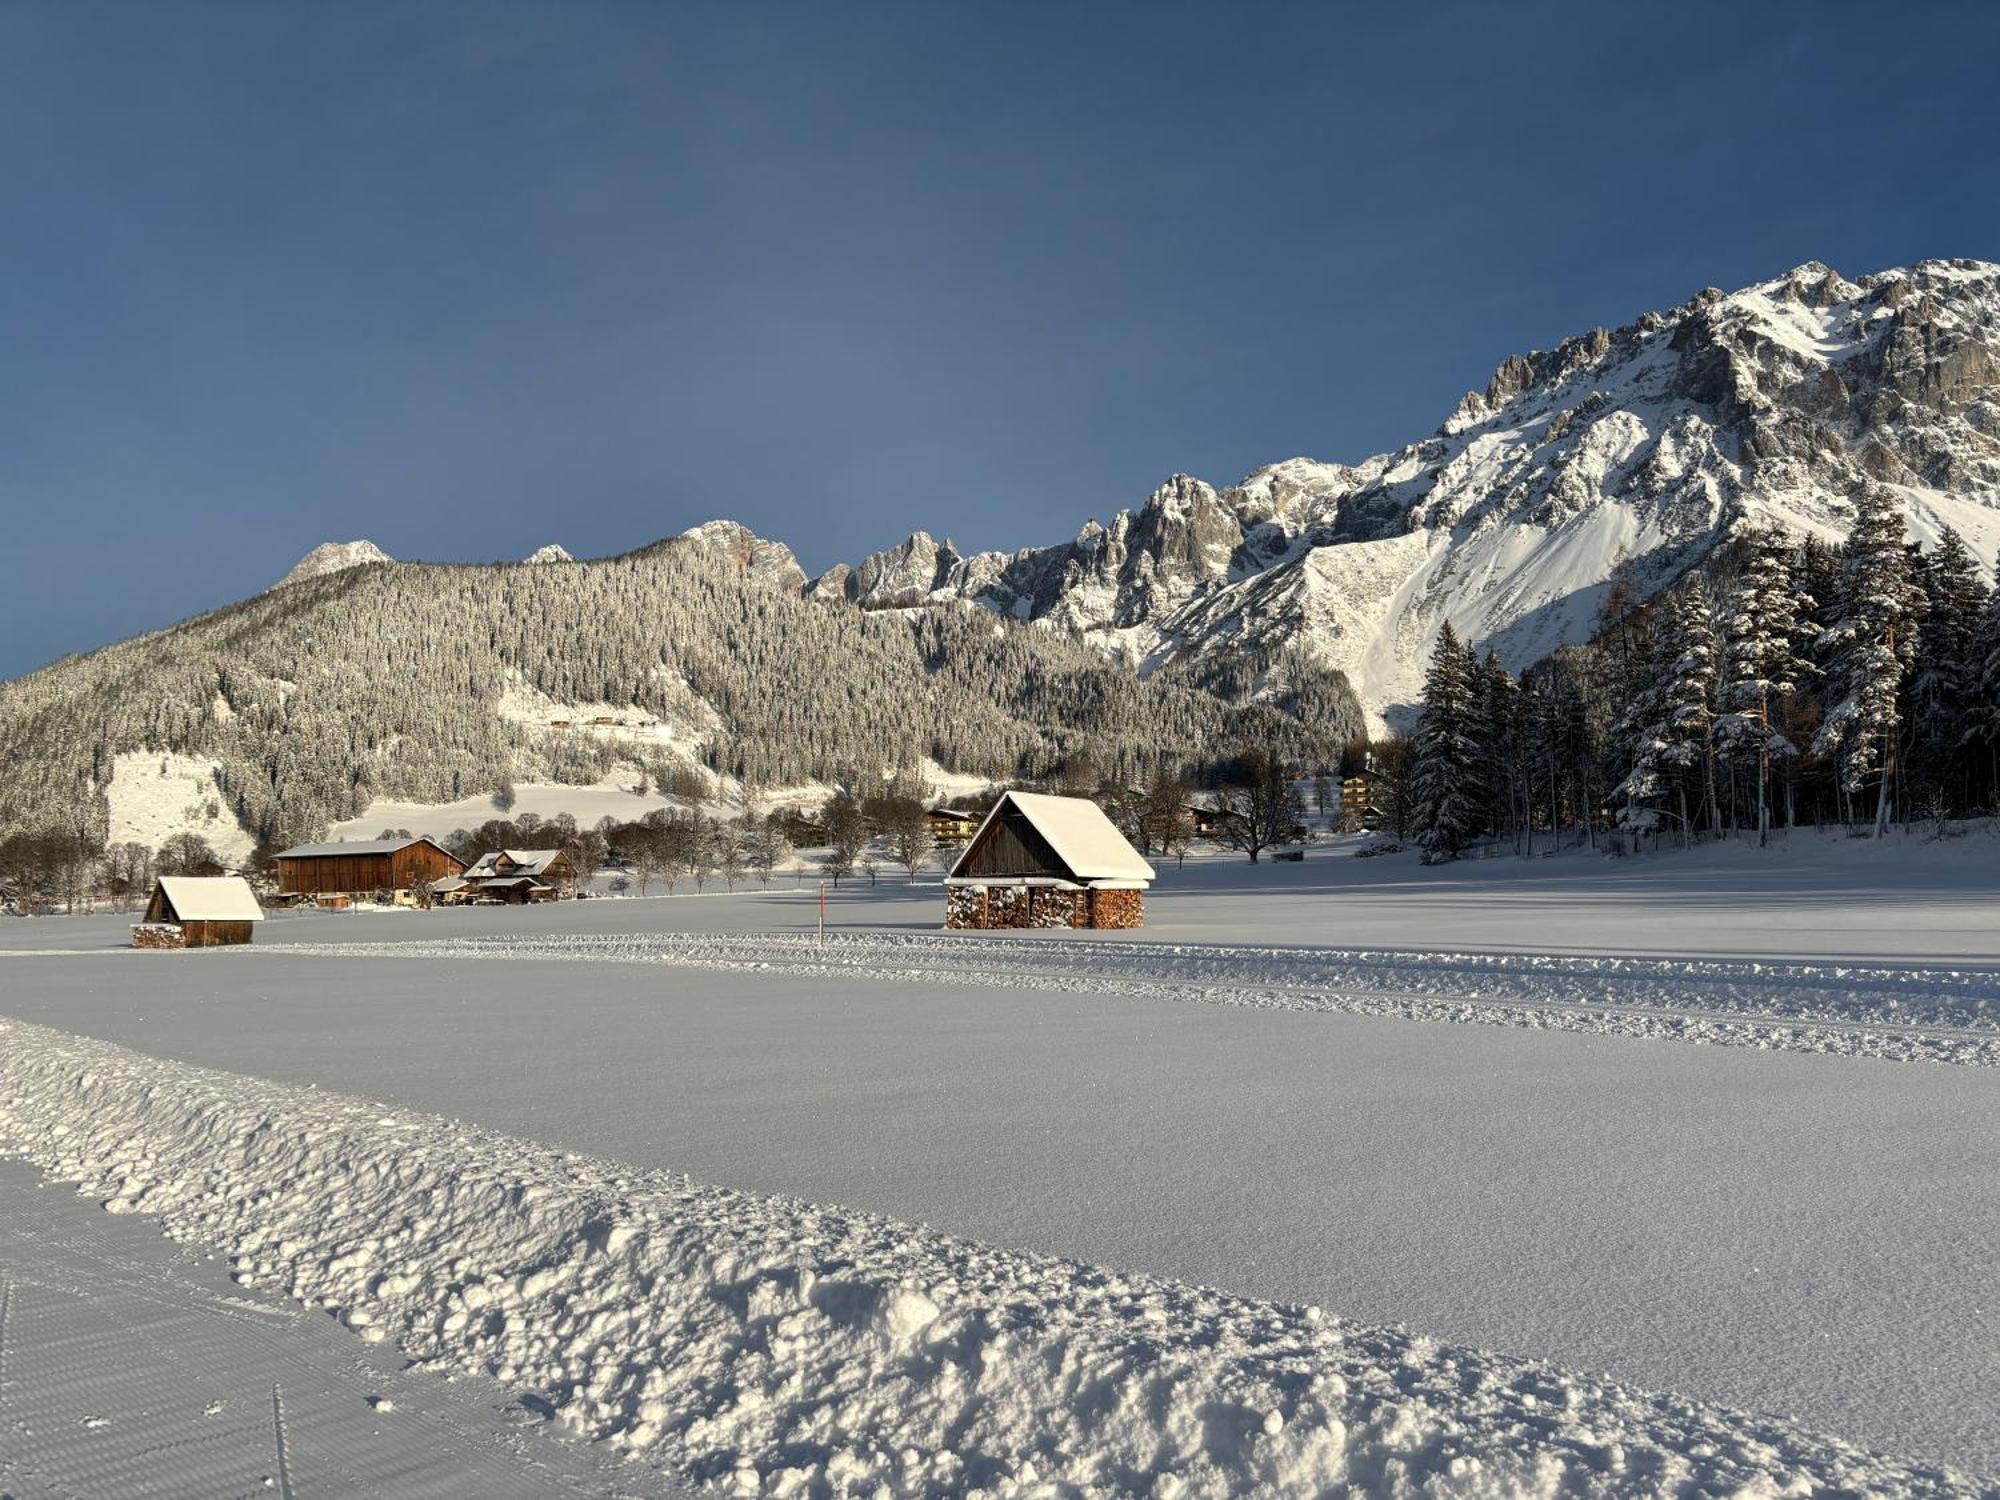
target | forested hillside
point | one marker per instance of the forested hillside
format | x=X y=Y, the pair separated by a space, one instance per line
x=393 y=680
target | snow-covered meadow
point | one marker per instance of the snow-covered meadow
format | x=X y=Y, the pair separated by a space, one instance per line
x=1269 y=1092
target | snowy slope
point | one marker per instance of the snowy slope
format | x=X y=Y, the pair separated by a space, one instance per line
x=153 y=795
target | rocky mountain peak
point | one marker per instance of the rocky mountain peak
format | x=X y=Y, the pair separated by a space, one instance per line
x=768 y=561
x=1632 y=449
x=899 y=577
x=334 y=557
x=551 y=553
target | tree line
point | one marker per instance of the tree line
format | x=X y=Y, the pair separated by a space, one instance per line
x=1783 y=682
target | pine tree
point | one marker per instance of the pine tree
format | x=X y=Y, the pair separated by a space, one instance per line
x=1497 y=732
x=1982 y=726
x=1667 y=731
x=1945 y=675
x=1445 y=772
x=1872 y=641
x=1767 y=626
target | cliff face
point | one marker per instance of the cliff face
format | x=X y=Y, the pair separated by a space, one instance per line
x=1638 y=448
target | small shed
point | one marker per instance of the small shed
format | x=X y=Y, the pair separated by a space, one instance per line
x=198 y=911
x=1042 y=861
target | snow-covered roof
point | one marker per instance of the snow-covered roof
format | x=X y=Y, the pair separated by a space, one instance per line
x=527 y=861
x=1084 y=839
x=352 y=846
x=211 y=898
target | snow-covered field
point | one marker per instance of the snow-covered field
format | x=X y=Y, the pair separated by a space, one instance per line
x=615 y=796
x=770 y=1346
x=132 y=1366
x=1789 y=1226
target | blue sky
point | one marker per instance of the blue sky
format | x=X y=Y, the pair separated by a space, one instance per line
x=467 y=279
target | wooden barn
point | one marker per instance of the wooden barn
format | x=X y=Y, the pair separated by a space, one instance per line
x=198 y=911
x=1040 y=861
x=363 y=867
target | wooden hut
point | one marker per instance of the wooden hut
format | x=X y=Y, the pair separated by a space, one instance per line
x=365 y=866
x=198 y=911
x=1040 y=861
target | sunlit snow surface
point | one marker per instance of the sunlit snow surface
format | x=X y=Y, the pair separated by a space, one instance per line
x=1768 y=1225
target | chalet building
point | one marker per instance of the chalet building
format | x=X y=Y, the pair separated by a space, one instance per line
x=363 y=867
x=800 y=831
x=517 y=876
x=951 y=825
x=1204 y=813
x=1041 y=861
x=198 y=911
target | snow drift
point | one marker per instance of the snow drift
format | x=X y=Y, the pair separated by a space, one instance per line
x=769 y=1346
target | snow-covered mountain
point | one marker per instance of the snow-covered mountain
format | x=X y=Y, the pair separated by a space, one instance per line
x=553 y=552
x=334 y=557
x=1633 y=451
x=1636 y=449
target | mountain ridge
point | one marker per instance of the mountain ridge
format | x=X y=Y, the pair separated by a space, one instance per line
x=1308 y=592
x=1636 y=449
x=1633 y=450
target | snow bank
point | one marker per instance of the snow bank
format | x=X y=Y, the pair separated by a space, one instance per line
x=1895 y=1014
x=771 y=1347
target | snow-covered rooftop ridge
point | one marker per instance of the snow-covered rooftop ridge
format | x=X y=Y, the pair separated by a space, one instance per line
x=523 y=861
x=354 y=846
x=212 y=898
x=743 y=1321
x=1082 y=836
x=334 y=557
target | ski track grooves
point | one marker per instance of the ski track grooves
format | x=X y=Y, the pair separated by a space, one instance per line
x=773 y=1347
x=1892 y=1014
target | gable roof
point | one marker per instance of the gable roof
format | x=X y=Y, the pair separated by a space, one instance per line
x=211 y=898
x=529 y=861
x=357 y=846
x=1083 y=838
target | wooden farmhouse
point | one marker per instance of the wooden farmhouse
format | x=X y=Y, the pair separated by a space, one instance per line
x=198 y=911
x=1040 y=861
x=515 y=877
x=360 y=868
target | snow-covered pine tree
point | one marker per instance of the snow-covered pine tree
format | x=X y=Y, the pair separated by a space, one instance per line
x=1668 y=728
x=1445 y=770
x=1872 y=641
x=1638 y=738
x=1497 y=731
x=1558 y=750
x=1767 y=615
x=1944 y=679
x=1983 y=725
